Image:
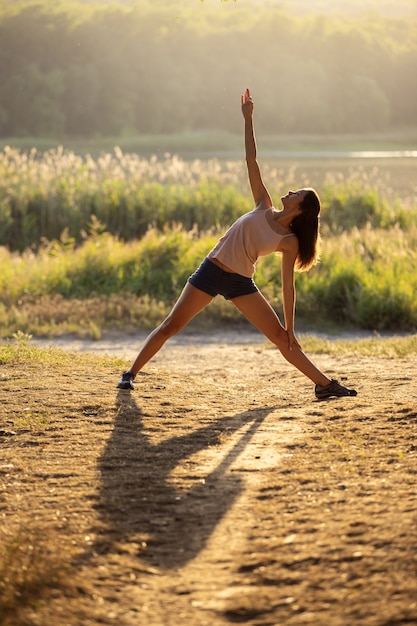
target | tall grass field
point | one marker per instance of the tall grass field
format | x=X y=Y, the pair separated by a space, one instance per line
x=92 y=243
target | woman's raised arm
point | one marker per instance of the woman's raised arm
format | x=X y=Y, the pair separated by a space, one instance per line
x=259 y=191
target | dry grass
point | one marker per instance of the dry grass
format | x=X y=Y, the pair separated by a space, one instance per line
x=218 y=492
x=33 y=565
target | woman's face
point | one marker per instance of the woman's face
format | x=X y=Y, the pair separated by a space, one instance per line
x=293 y=198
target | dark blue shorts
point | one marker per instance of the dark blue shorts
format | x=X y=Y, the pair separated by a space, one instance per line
x=215 y=281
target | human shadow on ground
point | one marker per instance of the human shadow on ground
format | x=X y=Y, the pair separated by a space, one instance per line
x=140 y=503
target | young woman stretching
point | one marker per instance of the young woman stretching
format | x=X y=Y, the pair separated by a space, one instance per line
x=229 y=268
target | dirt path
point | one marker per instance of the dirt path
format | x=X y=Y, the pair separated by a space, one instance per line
x=218 y=492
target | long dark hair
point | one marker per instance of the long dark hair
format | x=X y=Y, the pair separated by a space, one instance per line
x=306 y=228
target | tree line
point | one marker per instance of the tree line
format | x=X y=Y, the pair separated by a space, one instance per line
x=83 y=69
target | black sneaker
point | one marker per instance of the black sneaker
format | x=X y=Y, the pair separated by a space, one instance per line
x=333 y=389
x=126 y=381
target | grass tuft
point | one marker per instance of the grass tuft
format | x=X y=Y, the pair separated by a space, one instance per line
x=31 y=564
x=393 y=347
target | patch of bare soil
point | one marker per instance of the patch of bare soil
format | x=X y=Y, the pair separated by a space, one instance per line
x=218 y=492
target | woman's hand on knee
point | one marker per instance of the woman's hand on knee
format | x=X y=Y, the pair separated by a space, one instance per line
x=292 y=340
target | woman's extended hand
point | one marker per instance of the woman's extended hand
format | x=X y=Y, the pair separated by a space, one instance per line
x=247 y=104
x=292 y=341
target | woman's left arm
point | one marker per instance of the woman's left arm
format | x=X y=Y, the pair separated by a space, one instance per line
x=289 y=256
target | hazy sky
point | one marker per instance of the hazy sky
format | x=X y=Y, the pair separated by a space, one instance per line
x=388 y=7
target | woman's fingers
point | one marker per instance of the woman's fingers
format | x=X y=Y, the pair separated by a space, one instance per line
x=246 y=97
x=292 y=341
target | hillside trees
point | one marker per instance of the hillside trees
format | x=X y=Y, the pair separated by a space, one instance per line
x=143 y=68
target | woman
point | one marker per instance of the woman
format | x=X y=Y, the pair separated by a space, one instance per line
x=229 y=268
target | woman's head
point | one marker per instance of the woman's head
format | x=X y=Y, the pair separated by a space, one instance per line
x=305 y=226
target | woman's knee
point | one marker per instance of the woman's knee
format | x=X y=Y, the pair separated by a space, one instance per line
x=169 y=327
x=279 y=337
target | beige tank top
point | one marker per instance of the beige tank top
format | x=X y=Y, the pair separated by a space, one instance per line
x=245 y=241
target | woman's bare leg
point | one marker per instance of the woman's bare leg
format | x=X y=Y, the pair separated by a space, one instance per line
x=190 y=302
x=260 y=313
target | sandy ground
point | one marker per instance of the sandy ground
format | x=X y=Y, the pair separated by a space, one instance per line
x=218 y=492
x=127 y=346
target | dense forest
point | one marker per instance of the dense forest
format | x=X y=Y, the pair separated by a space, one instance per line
x=83 y=69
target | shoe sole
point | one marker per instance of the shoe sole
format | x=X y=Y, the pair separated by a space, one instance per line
x=336 y=395
x=125 y=386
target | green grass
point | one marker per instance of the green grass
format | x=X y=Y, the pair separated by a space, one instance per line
x=58 y=195
x=20 y=350
x=110 y=242
x=367 y=279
